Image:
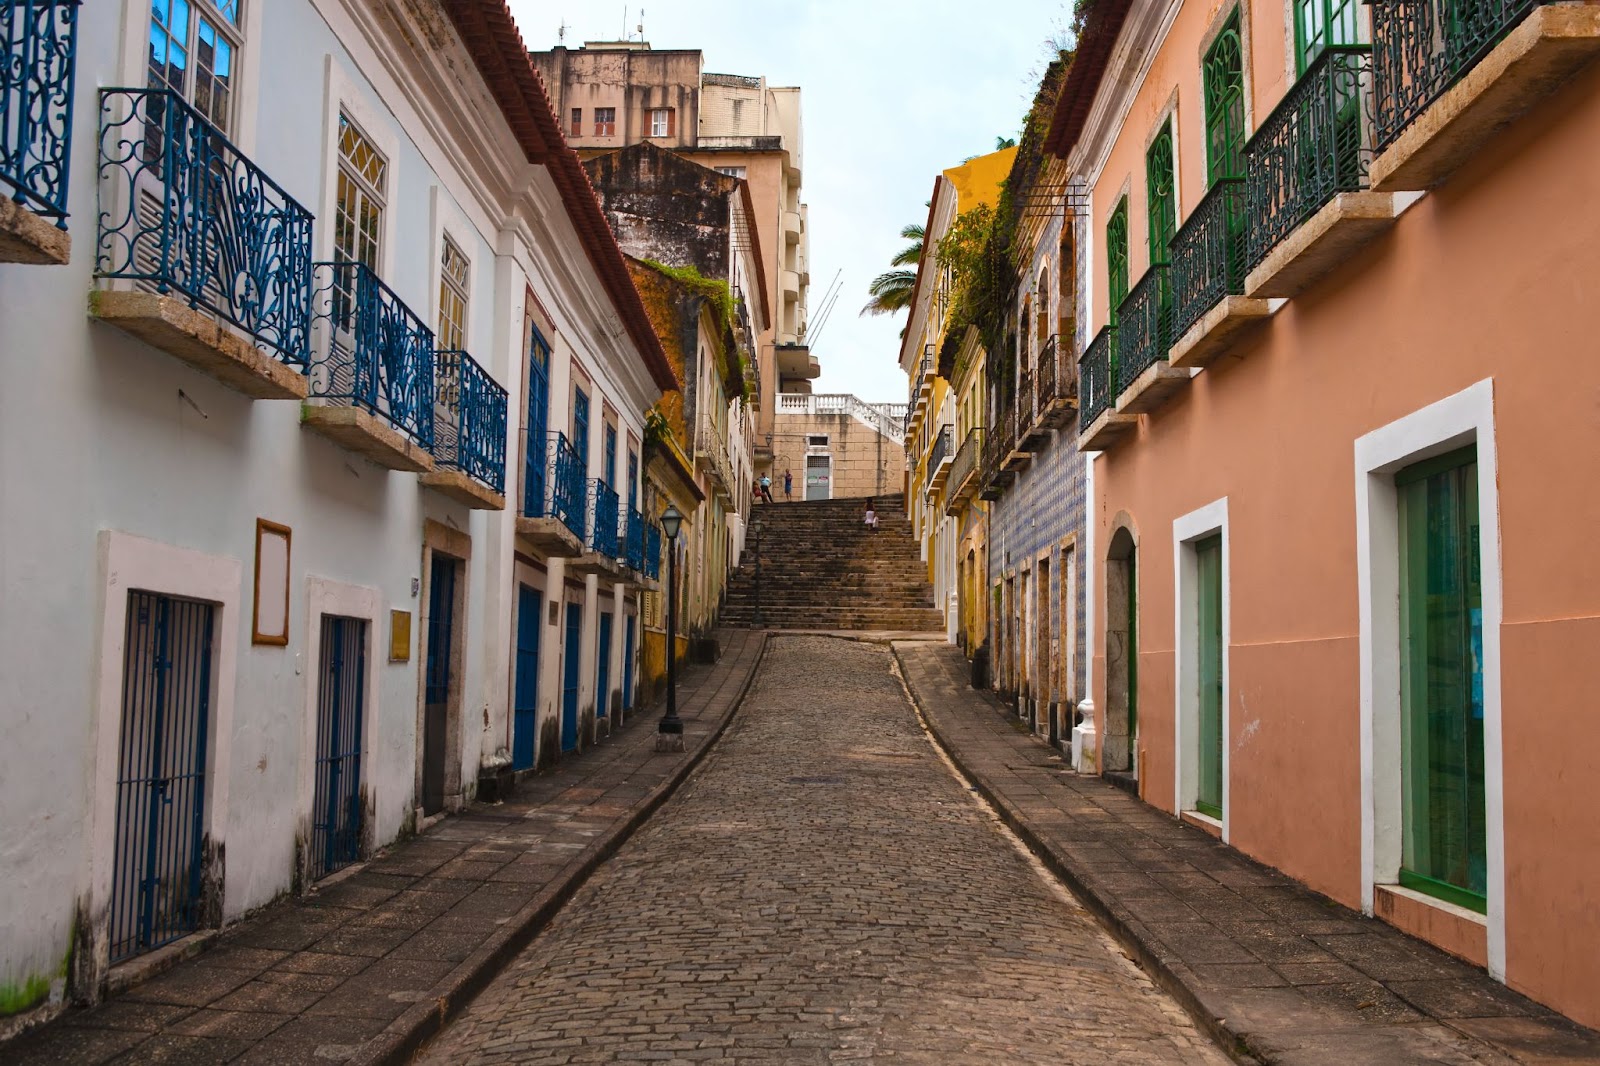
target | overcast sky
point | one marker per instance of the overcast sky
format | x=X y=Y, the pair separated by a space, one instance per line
x=892 y=93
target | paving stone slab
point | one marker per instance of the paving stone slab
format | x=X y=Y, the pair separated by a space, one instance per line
x=1276 y=971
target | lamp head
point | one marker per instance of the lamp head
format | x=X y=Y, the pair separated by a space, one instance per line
x=671 y=521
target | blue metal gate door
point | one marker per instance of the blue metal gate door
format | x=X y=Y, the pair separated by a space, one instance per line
x=569 y=678
x=341 y=695
x=161 y=773
x=627 y=662
x=525 y=712
x=436 y=689
x=602 y=687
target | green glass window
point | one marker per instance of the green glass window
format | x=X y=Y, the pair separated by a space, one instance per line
x=1162 y=205
x=1319 y=23
x=1441 y=681
x=1208 y=560
x=1117 y=257
x=1223 y=77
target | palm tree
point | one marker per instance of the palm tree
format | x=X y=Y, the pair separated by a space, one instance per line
x=891 y=290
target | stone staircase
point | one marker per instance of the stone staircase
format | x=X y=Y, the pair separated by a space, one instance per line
x=822 y=569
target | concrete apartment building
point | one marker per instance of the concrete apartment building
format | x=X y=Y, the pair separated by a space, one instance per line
x=1341 y=413
x=612 y=94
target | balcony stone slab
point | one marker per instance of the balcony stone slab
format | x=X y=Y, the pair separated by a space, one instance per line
x=464 y=489
x=1322 y=243
x=1058 y=413
x=200 y=339
x=29 y=238
x=367 y=435
x=548 y=537
x=604 y=567
x=1106 y=430
x=1152 y=388
x=1551 y=44
x=1218 y=328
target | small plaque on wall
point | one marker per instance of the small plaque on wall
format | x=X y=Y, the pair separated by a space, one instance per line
x=399 y=636
x=270 y=618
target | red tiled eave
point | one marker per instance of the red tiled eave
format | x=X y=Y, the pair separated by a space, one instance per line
x=491 y=36
x=1083 y=77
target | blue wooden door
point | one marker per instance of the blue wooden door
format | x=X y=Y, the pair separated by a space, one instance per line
x=569 y=678
x=580 y=429
x=602 y=688
x=525 y=712
x=533 y=478
x=436 y=685
x=627 y=663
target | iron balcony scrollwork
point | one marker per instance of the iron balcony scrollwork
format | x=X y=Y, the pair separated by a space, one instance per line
x=634 y=547
x=652 y=552
x=1022 y=410
x=1096 y=372
x=602 y=518
x=552 y=483
x=37 y=80
x=940 y=451
x=470 y=423
x=373 y=352
x=1312 y=147
x=1420 y=48
x=1144 y=327
x=967 y=461
x=1208 y=254
x=1045 y=376
x=184 y=211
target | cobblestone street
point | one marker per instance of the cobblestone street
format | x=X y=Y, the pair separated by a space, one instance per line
x=824 y=890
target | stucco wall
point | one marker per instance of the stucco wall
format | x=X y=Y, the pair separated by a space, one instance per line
x=865 y=463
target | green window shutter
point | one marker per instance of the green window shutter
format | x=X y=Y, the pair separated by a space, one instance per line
x=1161 y=196
x=1208 y=560
x=1441 y=681
x=1223 y=78
x=1117 y=257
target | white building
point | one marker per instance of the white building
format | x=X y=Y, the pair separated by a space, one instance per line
x=285 y=572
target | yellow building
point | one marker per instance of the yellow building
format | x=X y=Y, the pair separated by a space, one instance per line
x=943 y=416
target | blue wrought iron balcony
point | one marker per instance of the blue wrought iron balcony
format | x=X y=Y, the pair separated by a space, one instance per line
x=373 y=361
x=553 y=488
x=191 y=231
x=652 y=552
x=1423 y=50
x=634 y=547
x=469 y=428
x=1309 y=149
x=603 y=512
x=36 y=96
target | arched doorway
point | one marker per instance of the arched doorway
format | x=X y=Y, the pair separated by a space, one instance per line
x=1122 y=654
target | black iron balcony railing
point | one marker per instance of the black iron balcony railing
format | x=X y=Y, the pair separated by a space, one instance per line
x=374 y=352
x=940 y=451
x=1144 y=326
x=967 y=460
x=552 y=482
x=1208 y=254
x=652 y=552
x=634 y=542
x=1312 y=147
x=1096 y=371
x=469 y=425
x=1420 y=48
x=40 y=38
x=603 y=514
x=182 y=210
x=1047 y=375
x=1022 y=411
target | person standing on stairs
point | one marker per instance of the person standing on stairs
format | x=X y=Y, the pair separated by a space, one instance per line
x=788 y=487
x=870 y=519
x=766 y=488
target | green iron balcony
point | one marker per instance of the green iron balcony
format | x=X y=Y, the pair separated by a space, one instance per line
x=1423 y=50
x=1207 y=276
x=1306 y=177
x=1100 y=424
x=1144 y=335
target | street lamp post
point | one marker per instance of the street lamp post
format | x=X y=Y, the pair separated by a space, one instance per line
x=669 y=734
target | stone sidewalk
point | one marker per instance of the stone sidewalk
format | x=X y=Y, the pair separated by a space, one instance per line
x=369 y=967
x=1279 y=973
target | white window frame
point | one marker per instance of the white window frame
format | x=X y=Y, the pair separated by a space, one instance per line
x=343 y=94
x=1187 y=532
x=660 y=117
x=1465 y=418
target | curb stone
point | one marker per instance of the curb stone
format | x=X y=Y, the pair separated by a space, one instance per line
x=406 y=1035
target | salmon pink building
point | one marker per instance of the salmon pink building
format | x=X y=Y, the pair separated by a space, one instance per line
x=1341 y=404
